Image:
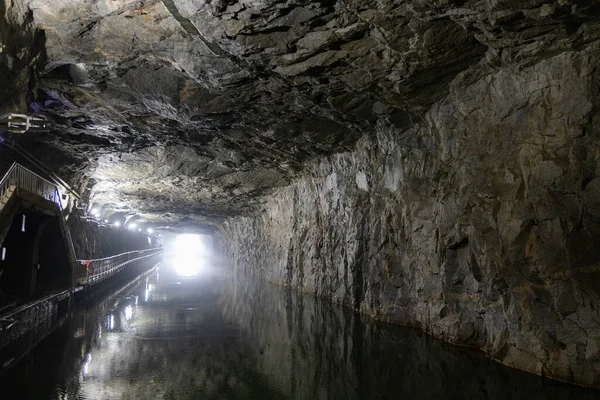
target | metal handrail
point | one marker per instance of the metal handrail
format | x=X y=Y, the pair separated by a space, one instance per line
x=119 y=255
x=13 y=146
x=62 y=294
x=96 y=270
x=21 y=177
x=28 y=316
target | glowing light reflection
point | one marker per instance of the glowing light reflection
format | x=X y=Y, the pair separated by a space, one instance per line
x=128 y=313
x=86 y=366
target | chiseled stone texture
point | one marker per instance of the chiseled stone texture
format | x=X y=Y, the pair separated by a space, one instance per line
x=21 y=56
x=478 y=224
x=254 y=89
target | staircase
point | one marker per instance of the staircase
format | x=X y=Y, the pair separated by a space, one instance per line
x=26 y=187
x=21 y=177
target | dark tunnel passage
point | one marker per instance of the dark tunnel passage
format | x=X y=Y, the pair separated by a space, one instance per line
x=433 y=164
x=53 y=265
x=34 y=257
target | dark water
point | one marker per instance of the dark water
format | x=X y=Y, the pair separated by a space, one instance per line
x=171 y=338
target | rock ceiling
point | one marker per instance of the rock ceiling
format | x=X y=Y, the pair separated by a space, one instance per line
x=188 y=110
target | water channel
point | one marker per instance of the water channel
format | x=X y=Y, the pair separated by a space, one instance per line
x=169 y=337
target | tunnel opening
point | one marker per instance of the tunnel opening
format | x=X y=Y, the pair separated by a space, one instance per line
x=53 y=266
x=33 y=257
x=188 y=255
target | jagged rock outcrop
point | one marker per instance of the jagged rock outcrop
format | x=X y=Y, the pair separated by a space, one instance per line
x=22 y=56
x=479 y=224
x=230 y=99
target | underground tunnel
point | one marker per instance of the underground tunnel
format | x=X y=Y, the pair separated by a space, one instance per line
x=300 y=199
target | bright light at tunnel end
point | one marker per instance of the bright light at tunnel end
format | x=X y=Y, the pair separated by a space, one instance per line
x=187 y=255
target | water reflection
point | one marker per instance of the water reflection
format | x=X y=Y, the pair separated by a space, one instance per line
x=193 y=339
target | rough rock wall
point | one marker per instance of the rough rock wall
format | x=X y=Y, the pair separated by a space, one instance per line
x=479 y=224
x=22 y=54
x=234 y=97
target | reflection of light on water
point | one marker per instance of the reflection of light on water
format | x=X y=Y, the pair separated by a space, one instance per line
x=187 y=266
x=86 y=365
x=128 y=313
x=149 y=288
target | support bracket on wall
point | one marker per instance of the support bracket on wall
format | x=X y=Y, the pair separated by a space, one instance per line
x=21 y=123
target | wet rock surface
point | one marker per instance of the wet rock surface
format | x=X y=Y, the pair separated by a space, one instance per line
x=478 y=224
x=431 y=163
